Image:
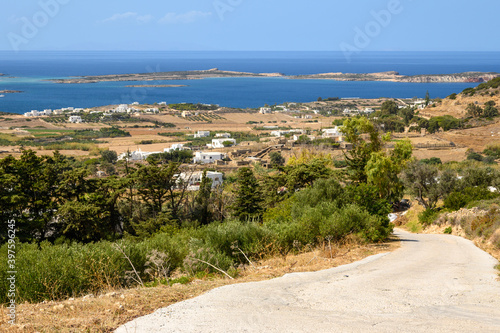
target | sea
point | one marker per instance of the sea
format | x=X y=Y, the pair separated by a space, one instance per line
x=31 y=71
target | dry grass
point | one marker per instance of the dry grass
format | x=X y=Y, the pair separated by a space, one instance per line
x=108 y=311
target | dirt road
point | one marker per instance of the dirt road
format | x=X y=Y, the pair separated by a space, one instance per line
x=433 y=283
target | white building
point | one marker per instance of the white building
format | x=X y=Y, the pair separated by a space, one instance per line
x=332 y=133
x=208 y=157
x=135 y=103
x=32 y=113
x=122 y=108
x=307 y=116
x=68 y=108
x=283 y=133
x=222 y=135
x=174 y=147
x=47 y=112
x=202 y=134
x=137 y=155
x=162 y=103
x=265 y=110
x=219 y=143
x=194 y=179
x=75 y=119
x=58 y=112
x=186 y=114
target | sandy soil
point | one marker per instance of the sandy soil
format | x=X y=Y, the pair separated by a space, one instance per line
x=433 y=283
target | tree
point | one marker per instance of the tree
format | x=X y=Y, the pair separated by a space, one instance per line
x=109 y=156
x=276 y=159
x=154 y=183
x=407 y=114
x=357 y=158
x=474 y=110
x=490 y=111
x=202 y=210
x=427 y=98
x=248 y=197
x=382 y=170
x=421 y=179
x=389 y=107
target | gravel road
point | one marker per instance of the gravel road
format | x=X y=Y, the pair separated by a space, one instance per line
x=433 y=283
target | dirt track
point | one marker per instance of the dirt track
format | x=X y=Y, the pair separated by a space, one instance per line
x=433 y=283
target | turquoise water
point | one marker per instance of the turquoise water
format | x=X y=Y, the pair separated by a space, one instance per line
x=30 y=69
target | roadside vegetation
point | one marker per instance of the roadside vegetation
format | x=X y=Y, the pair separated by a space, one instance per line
x=78 y=233
x=461 y=198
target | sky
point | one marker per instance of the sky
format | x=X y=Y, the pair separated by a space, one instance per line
x=250 y=25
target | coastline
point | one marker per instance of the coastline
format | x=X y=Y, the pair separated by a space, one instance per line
x=391 y=76
x=156 y=86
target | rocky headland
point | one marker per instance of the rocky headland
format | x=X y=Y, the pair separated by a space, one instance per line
x=473 y=77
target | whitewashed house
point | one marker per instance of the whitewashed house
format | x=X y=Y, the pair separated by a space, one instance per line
x=219 y=143
x=222 y=135
x=32 y=113
x=208 y=157
x=137 y=155
x=332 y=133
x=122 y=108
x=202 y=134
x=265 y=110
x=174 y=147
x=194 y=179
x=75 y=119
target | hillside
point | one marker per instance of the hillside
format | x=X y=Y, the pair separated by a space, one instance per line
x=482 y=132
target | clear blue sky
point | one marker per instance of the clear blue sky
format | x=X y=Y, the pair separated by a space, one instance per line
x=415 y=25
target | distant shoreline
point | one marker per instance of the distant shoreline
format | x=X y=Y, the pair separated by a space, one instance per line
x=156 y=86
x=466 y=77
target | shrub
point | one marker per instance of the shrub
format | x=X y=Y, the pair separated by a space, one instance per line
x=460 y=199
x=428 y=216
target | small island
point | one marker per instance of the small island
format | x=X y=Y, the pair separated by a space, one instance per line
x=156 y=86
x=392 y=76
x=10 y=91
x=164 y=76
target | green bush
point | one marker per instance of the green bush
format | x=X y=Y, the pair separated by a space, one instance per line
x=428 y=216
x=460 y=199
